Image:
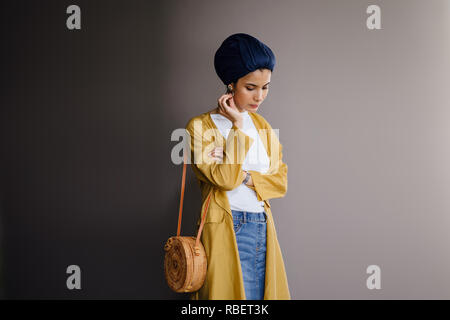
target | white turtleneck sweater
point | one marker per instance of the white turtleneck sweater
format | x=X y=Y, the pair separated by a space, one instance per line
x=244 y=198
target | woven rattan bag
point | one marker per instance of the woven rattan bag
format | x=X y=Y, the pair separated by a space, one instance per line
x=185 y=258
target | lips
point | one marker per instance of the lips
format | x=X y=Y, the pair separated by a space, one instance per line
x=254 y=105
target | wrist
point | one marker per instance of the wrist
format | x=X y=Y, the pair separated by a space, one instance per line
x=247 y=177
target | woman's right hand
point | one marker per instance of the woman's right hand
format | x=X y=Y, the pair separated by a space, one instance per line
x=216 y=154
x=228 y=109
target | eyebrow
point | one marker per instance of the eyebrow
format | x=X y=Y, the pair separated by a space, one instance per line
x=255 y=84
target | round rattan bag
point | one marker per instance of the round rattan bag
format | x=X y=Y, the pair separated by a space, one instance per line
x=185 y=261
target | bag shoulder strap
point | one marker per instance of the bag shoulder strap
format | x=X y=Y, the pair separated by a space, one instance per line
x=180 y=213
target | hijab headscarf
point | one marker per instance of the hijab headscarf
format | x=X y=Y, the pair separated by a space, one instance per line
x=240 y=54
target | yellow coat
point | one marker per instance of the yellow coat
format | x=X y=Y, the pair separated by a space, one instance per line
x=224 y=276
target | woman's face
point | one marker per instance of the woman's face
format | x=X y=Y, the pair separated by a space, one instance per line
x=251 y=90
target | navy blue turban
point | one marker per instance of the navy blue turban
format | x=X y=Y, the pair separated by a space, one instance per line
x=240 y=54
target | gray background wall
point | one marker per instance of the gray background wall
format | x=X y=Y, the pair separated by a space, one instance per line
x=86 y=118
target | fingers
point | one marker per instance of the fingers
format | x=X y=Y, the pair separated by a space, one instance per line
x=223 y=101
x=220 y=104
x=227 y=101
x=216 y=153
x=228 y=110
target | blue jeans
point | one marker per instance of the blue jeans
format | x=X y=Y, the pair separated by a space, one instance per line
x=250 y=229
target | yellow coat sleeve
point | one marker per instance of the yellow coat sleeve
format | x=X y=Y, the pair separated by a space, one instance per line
x=272 y=184
x=227 y=174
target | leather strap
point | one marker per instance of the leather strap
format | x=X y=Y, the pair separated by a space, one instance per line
x=180 y=213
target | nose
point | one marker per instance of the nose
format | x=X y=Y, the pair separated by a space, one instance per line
x=259 y=96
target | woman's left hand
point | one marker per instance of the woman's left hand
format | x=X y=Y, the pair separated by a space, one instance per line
x=250 y=181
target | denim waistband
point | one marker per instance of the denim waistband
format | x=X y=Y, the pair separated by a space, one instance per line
x=249 y=216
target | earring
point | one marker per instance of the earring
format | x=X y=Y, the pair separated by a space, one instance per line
x=230 y=88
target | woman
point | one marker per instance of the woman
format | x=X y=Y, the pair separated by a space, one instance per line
x=237 y=159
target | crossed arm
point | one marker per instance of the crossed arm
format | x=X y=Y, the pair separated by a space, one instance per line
x=228 y=174
x=271 y=185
